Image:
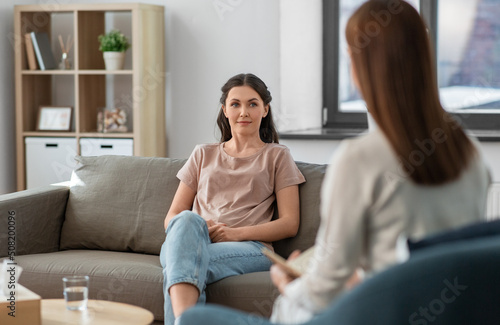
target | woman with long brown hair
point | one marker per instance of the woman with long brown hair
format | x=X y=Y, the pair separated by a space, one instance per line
x=220 y=217
x=393 y=69
x=418 y=173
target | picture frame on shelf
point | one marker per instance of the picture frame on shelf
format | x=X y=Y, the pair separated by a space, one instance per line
x=54 y=118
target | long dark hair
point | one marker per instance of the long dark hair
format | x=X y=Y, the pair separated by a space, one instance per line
x=268 y=132
x=395 y=71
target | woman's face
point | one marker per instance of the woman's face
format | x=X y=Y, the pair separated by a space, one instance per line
x=245 y=110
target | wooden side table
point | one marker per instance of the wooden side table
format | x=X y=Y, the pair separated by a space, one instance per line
x=99 y=312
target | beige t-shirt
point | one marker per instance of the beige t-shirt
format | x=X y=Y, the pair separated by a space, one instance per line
x=238 y=191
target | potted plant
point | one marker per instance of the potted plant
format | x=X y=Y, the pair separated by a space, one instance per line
x=113 y=45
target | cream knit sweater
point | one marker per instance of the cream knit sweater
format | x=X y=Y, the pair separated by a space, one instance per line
x=367 y=203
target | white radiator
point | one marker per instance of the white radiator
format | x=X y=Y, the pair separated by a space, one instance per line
x=493 y=204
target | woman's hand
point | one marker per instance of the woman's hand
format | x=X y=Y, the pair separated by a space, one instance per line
x=355 y=279
x=220 y=232
x=279 y=277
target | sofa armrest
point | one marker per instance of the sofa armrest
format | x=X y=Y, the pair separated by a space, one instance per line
x=34 y=219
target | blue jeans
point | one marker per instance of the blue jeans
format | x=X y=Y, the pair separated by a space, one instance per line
x=188 y=256
x=219 y=315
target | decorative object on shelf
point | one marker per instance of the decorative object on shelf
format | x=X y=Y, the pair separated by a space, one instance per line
x=43 y=51
x=113 y=45
x=111 y=120
x=54 y=118
x=65 y=63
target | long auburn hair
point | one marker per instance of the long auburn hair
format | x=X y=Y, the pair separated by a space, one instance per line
x=392 y=60
x=268 y=133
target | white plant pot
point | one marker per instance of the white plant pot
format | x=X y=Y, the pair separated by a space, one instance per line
x=114 y=60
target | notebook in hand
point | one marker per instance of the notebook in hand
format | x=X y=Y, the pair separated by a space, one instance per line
x=296 y=267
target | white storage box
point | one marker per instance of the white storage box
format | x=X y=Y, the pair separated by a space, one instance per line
x=100 y=147
x=49 y=160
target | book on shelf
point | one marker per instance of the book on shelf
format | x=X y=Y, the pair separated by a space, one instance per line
x=43 y=51
x=30 y=52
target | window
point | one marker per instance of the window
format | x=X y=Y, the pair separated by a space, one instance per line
x=467 y=38
x=468 y=60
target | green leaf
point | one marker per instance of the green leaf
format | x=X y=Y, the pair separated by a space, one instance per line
x=114 y=41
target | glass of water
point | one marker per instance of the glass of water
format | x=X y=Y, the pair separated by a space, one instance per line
x=76 y=291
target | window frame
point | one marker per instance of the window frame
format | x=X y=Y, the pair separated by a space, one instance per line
x=332 y=117
x=336 y=119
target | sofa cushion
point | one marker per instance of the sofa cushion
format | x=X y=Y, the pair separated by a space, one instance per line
x=309 y=210
x=251 y=292
x=136 y=279
x=115 y=276
x=119 y=203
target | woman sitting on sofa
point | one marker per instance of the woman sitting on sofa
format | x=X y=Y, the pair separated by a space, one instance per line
x=220 y=217
x=416 y=174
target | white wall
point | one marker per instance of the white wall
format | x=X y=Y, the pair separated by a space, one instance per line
x=7 y=105
x=313 y=151
x=491 y=151
x=208 y=42
x=301 y=59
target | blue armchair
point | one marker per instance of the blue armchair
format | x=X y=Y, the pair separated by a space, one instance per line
x=451 y=283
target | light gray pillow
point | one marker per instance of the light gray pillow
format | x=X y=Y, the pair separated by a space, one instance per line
x=119 y=203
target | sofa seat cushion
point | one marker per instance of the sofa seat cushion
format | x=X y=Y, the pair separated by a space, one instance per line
x=251 y=292
x=119 y=203
x=136 y=279
x=117 y=276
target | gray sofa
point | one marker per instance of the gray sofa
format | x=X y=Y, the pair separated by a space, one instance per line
x=108 y=224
